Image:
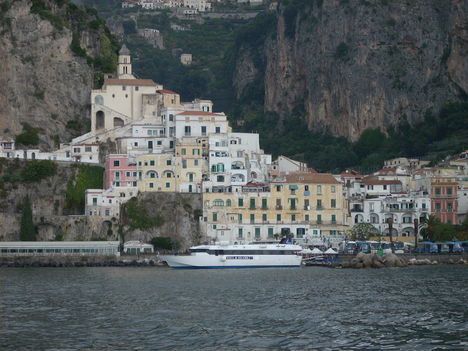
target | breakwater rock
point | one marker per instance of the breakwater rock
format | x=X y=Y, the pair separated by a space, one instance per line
x=78 y=261
x=363 y=260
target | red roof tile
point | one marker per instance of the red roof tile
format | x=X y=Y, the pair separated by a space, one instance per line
x=165 y=91
x=139 y=82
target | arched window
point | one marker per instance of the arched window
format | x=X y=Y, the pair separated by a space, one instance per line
x=152 y=174
x=218 y=202
x=118 y=122
x=99 y=100
x=100 y=121
x=228 y=203
x=168 y=174
x=253 y=175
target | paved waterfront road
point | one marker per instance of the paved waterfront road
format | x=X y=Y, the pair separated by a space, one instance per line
x=310 y=308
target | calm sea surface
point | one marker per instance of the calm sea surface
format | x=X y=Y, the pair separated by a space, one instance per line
x=310 y=308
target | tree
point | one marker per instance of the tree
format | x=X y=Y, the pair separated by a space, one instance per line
x=363 y=231
x=27 y=230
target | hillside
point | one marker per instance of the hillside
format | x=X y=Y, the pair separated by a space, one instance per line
x=347 y=66
x=51 y=50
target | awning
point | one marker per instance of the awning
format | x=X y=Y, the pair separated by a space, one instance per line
x=293 y=187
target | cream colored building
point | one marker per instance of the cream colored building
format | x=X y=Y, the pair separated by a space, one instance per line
x=310 y=206
x=157 y=172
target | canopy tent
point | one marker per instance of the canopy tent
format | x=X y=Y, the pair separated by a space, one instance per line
x=330 y=251
x=316 y=251
x=306 y=251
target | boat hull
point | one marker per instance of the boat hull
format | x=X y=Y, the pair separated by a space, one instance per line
x=231 y=261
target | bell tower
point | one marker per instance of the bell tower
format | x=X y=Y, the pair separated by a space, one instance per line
x=125 y=64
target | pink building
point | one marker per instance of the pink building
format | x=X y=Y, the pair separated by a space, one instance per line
x=120 y=172
x=444 y=204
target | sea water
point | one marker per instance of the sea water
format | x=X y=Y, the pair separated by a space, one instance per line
x=309 y=308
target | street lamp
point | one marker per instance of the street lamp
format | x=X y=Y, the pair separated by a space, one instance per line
x=390 y=229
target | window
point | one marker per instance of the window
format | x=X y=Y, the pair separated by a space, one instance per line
x=333 y=218
x=319 y=219
x=264 y=204
x=278 y=218
x=117 y=175
x=306 y=188
x=264 y=217
x=437 y=206
x=278 y=188
x=195 y=162
x=257 y=233
x=116 y=163
x=151 y=185
x=128 y=174
x=384 y=187
x=171 y=118
x=270 y=233
x=220 y=179
x=228 y=203
x=124 y=87
x=319 y=205
x=240 y=218
x=218 y=130
x=241 y=202
x=94 y=200
x=252 y=218
x=240 y=154
x=183 y=151
x=306 y=218
x=168 y=162
x=240 y=233
x=195 y=152
x=423 y=205
x=449 y=207
x=88 y=149
x=252 y=204
x=168 y=185
x=203 y=130
x=333 y=189
x=293 y=217
x=449 y=191
x=333 y=203
x=215 y=217
x=218 y=202
x=319 y=190
x=300 y=232
x=151 y=163
x=187 y=130
x=184 y=163
x=437 y=191
x=406 y=219
x=137 y=88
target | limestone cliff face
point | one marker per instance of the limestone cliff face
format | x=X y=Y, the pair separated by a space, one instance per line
x=179 y=214
x=354 y=65
x=42 y=81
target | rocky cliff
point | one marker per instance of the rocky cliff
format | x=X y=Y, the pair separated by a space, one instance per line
x=49 y=50
x=352 y=65
x=57 y=201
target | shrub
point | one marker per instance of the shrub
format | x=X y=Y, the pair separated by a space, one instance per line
x=162 y=242
x=75 y=45
x=138 y=218
x=29 y=136
x=342 y=52
x=35 y=171
x=88 y=177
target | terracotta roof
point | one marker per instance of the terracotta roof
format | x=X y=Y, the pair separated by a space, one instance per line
x=166 y=91
x=199 y=113
x=140 y=82
x=375 y=181
x=317 y=178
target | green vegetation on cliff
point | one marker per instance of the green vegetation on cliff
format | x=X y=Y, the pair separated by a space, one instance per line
x=137 y=217
x=26 y=171
x=27 y=230
x=87 y=177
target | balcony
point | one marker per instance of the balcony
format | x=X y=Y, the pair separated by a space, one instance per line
x=278 y=207
x=252 y=207
x=293 y=207
x=319 y=208
x=264 y=208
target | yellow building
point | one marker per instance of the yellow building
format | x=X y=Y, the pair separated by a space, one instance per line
x=189 y=164
x=157 y=172
x=169 y=98
x=306 y=205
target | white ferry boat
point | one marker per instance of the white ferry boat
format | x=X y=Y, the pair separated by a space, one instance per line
x=237 y=256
